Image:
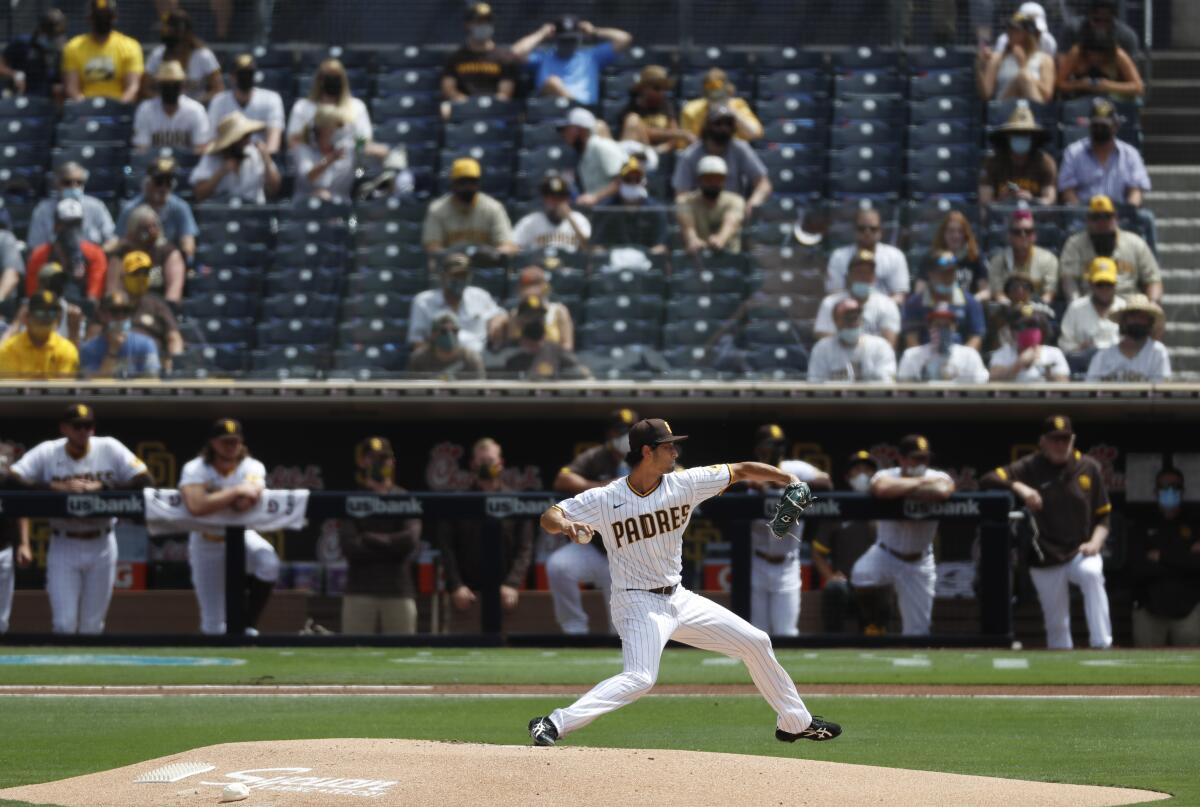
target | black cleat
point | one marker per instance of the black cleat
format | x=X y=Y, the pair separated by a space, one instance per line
x=542 y=731
x=817 y=730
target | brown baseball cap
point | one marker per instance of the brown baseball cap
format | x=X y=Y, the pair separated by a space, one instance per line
x=225 y=427
x=769 y=431
x=1057 y=426
x=652 y=432
x=914 y=444
x=862 y=457
x=622 y=419
x=78 y=413
x=375 y=445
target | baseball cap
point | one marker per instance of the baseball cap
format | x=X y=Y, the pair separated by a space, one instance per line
x=944 y=260
x=104 y=5
x=652 y=432
x=479 y=11
x=1021 y=215
x=465 y=168
x=914 y=444
x=456 y=263
x=567 y=25
x=43 y=300
x=719 y=112
x=622 y=419
x=553 y=185
x=225 y=427
x=1103 y=111
x=712 y=165
x=941 y=311
x=446 y=318
x=48 y=274
x=579 y=117
x=374 y=445
x=654 y=75
x=1057 y=426
x=863 y=256
x=1102 y=204
x=245 y=61
x=632 y=166
x=1102 y=270
x=170 y=71
x=161 y=165
x=68 y=210
x=769 y=431
x=136 y=261
x=78 y=413
x=862 y=457
x=531 y=303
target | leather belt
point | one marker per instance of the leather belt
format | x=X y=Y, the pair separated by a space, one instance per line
x=82 y=536
x=774 y=560
x=666 y=591
x=907 y=557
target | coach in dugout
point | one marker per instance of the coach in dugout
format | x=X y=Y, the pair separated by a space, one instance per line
x=1064 y=490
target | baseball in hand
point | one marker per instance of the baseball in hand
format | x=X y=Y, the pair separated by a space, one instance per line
x=581 y=533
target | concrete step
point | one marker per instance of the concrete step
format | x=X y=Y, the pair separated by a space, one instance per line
x=1181 y=281
x=1170 y=149
x=1178 y=231
x=1178 y=256
x=1171 y=120
x=1173 y=204
x=1175 y=65
x=1185 y=360
x=1175 y=177
x=1181 y=307
x=1168 y=92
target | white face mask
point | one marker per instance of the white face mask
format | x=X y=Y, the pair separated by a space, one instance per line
x=620 y=444
x=916 y=470
x=860 y=482
x=633 y=193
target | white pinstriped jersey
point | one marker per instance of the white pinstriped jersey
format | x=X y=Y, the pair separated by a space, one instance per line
x=643 y=533
x=107 y=460
x=199 y=472
x=761 y=537
x=908 y=536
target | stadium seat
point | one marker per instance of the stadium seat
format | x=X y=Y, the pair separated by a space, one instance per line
x=536 y=162
x=370 y=233
x=298 y=331
x=799 y=180
x=414 y=80
x=301 y=360
x=943 y=84
x=923 y=59
x=714 y=283
x=942 y=132
x=314 y=208
x=689 y=333
x=778 y=357
x=399 y=104
x=227 y=331
x=702 y=57
x=289 y=305
x=220 y=305
x=487 y=133
x=794 y=107
x=872 y=181
x=775 y=159
x=407 y=57
x=546 y=108
x=540 y=135
x=865 y=59
x=772 y=332
x=934 y=158
x=351 y=58
x=942 y=109
x=626 y=282
x=216 y=358
x=606 y=307
x=98 y=107
x=206 y=280
x=791 y=58
x=372 y=357
x=796 y=132
x=390 y=209
x=306 y=279
x=390 y=256
x=690 y=307
x=865 y=133
x=232 y=254
x=408 y=131
x=92 y=133
x=247 y=231
x=374 y=331
x=613 y=332
x=685 y=356
x=409 y=282
x=783 y=83
x=867 y=83
x=27 y=108
x=301 y=232
x=380 y=304
x=952 y=181
x=310 y=254
x=886 y=109
x=875 y=156
x=780 y=208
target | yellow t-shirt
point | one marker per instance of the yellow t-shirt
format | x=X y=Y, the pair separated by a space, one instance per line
x=102 y=68
x=695 y=112
x=20 y=358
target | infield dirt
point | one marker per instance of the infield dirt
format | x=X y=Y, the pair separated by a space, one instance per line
x=307 y=773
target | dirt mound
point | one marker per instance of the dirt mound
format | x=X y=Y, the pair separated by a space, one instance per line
x=300 y=773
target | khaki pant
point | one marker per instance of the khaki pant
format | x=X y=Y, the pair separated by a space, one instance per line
x=1156 y=631
x=366 y=614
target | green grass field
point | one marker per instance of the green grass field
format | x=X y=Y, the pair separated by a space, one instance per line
x=1131 y=742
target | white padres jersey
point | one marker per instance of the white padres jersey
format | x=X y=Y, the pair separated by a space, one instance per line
x=644 y=533
x=761 y=537
x=107 y=460
x=1151 y=363
x=199 y=472
x=187 y=129
x=907 y=537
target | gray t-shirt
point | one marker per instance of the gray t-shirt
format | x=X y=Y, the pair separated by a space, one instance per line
x=10 y=253
x=744 y=168
x=98 y=224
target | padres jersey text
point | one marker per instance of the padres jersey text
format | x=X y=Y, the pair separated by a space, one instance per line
x=107 y=460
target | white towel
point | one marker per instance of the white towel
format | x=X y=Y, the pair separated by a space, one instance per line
x=276 y=510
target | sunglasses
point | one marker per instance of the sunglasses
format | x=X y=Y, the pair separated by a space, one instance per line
x=868 y=228
x=163 y=180
x=1021 y=231
x=1100 y=216
x=82 y=425
x=72 y=183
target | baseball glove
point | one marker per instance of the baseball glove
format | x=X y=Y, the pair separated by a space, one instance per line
x=796 y=498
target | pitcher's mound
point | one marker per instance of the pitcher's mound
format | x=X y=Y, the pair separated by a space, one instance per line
x=300 y=773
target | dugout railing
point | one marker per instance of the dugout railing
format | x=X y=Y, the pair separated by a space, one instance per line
x=989 y=510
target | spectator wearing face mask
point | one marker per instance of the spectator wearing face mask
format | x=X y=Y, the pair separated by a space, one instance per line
x=70 y=180
x=1138 y=356
x=600 y=158
x=649 y=117
x=632 y=217
x=838 y=544
x=1098 y=66
x=718 y=90
x=1023 y=257
x=1137 y=268
x=466 y=216
x=851 y=354
x=1019 y=169
x=32 y=63
x=39 y=352
x=172 y=120
x=103 y=62
x=71 y=320
x=1165 y=555
x=479 y=66
x=83 y=262
x=941 y=358
x=1021 y=70
x=564 y=66
x=202 y=72
x=143 y=233
x=480 y=320
x=1086 y=326
x=880 y=316
x=943 y=289
x=174 y=214
x=236 y=166
x=1046 y=41
x=1027 y=359
x=556 y=224
x=1102 y=17
x=1101 y=164
x=559 y=325
x=324 y=160
x=118 y=351
x=745 y=173
x=331 y=85
x=891 y=267
x=444 y=355
x=151 y=314
x=536 y=357
x=954 y=235
x=256 y=103
x=711 y=217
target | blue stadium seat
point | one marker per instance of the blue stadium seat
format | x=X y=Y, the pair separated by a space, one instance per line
x=539 y=135
x=689 y=334
x=351 y=58
x=953 y=181
x=923 y=59
x=778 y=331
x=265 y=56
x=247 y=231
x=606 y=307
x=409 y=131
x=307 y=280
x=534 y=163
x=93 y=132
x=314 y=208
x=483 y=107
x=27 y=108
x=940 y=109
x=294 y=358
x=386 y=357
x=867 y=83
x=942 y=132
x=640 y=56
x=934 y=158
x=943 y=84
x=370 y=233
x=608 y=333
x=870 y=108
x=786 y=357
x=296 y=331
x=791 y=58
x=380 y=304
x=390 y=256
x=684 y=356
x=407 y=282
x=568 y=282
x=702 y=57
x=401 y=104
x=794 y=107
x=232 y=254
x=546 y=108
x=865 y=59
x=227 y=331
x=220 y=305
x=309 y=254
x=217 y=358
x=791 y=82
x=16 y=130
x=407 y=57
x=207 y=280
x=414 y=80
x=865 y=181
x=299 y=232
x=796 y=132
x=289 y=305
x=283 y=374
x=376 y=331
x=865 y=133
x=626 y=282
x=799 y=180
x=775 y=159
x=779 y=208
x=874 y=156
x=690 y=307
x=97 y=107
x=388 y=210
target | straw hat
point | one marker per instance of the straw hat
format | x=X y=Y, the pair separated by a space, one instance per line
x=232 y=128
x=1021 y=121
x=170 y=71
x=655 y=76
x=1139 y=302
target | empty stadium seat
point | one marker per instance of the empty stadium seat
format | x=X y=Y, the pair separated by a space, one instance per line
x=942 y=132
x=407 y=57
x=796 y=132
x=622 y=332
x=865 y=59
x=296 y=331
x=942 y=109
x=413 y=80
x=791 y=82
x=865 y=133
x=378 y=304
x=791 y=58
x=942 y=84
x=887 y=109
x=373 y=331
x=220 y=305
x=307 y=279
x=691 y=307
x=606 y=307
x=398 y=104
x=373 y=357
x=867 y=83
x=626 y=282
x=291 y=305
x=715 y=283
x=206 y=280
x=814 y=106
x=921 y=59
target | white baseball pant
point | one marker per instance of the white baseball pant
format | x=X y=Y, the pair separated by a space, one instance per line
x=80 y=573
x=1055 y=596
x=914 y=583
x=208 y=574
x=775 y=596
x=646 y=621
x=7 y=582
x=567 y=567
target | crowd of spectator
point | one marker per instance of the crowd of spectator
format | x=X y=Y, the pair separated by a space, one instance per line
x=655 y=187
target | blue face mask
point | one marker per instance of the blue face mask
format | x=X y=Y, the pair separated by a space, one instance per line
x=860 y=290
x=71 y=193
x=1020 y=144
x=1170 y=498
x=944 y=289
x=849 y=336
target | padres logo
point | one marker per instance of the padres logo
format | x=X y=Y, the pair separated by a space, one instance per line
x=159 y=462
x=1085 y=482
